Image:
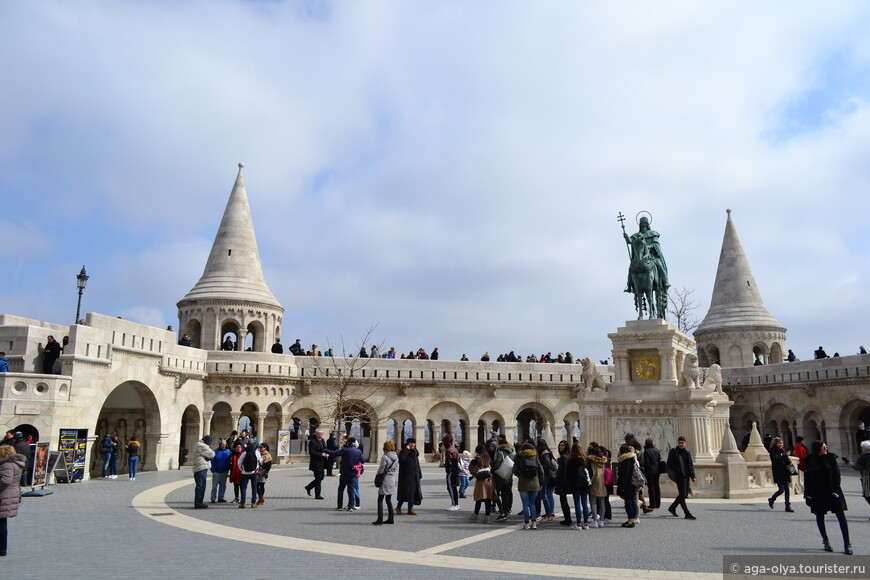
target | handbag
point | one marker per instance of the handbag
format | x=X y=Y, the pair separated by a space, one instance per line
x=608 y=475
x=663 y=467
x=505 y=470
x=792 y=470
x=484 y=473
x=637 y=478
x=379 y=478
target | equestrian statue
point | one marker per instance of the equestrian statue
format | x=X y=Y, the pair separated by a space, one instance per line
x=647 y=270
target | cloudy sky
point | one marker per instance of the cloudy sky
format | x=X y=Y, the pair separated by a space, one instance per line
x=449 y=171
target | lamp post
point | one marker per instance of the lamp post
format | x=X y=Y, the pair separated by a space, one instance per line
x=81 y=282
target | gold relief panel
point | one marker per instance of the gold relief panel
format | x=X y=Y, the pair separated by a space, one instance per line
x=647 y=368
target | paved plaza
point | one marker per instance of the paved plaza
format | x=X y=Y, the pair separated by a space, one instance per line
x=149 y=529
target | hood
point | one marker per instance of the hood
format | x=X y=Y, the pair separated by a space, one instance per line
x=17 y=458
x=598 y=460
x=624 y=456
x=136 y=443
x=528 y=453
x=447 y=440
x=505 y=446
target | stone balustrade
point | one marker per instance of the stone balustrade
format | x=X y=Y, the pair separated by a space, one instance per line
x=811 y=371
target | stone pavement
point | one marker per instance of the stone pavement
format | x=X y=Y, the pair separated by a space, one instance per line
x=149 y=529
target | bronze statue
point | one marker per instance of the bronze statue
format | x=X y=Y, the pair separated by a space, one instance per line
x=647 y=270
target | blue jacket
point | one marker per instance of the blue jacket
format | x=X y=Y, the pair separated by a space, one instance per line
x=350 y=456
x=221 y=462
x=4 y=364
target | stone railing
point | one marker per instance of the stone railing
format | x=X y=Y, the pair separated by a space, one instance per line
x=810 y=371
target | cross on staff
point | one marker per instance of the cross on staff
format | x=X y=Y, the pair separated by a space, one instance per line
x=621 y=219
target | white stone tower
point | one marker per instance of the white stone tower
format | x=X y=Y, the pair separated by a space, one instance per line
x=232 y=297
x=738 y=329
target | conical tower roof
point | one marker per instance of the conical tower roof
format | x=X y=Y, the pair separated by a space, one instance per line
x=233 y=271
x=736 y=299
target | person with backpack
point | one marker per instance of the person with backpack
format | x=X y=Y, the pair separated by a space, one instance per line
x=132 y=457
x=351 y=457
x=202 y=456
x=638 y=451
x=107 y=448
x=530 y=479
x=580 y=481
x=598 y=490
x=545 y=497
x=249 y=462
x=503 y=476
x=480 y=469
x=625 y=486
x=263 y=473
x=563 y=483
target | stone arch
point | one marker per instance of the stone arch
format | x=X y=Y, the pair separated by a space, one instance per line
x=491 y=423
x=534 y=419
x=129 y=403
x=221 y=419
x=853 y=412
x=447 y=416
x=272 y=424
x=775 y=353
x=231 y=327
x=256 y=337
x=760 y=353
x=401 y=428
x=735 y=356
x=28 y=429
x=812 y=426
x=189 y=433
x=713 y=356
x=250 y=412
x=194 y=331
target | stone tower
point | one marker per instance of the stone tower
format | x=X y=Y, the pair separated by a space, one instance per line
x=738 y=330
x=232 y=297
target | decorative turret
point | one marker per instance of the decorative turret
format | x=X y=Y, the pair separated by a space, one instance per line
x=738 y=330
x=231 y=296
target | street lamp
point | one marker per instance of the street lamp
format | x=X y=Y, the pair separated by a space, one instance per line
x=81 y=282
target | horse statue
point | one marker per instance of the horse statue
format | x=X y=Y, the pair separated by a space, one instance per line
x=647 y=271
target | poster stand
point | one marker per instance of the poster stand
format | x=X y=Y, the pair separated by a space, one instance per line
x=40 y=471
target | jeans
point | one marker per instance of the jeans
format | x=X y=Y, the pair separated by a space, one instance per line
x=219 y=485
x=782 y=489
x=252 y=477
x=581 y=504
x=346 y=482
x=463 y=484
x=529 y=512
x=113 y=464
x=354 y=487
x=132 y=462
x=631 y=506
x=200 y=477
x=547 y=497
x=401 y=503
x=597 y=507
x=315 y=483
x=106 y=459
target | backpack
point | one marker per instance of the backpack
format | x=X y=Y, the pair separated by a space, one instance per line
x=249 y=463
x=637 y=478
x=582 y=479
x=529 y=467
x=551 y=466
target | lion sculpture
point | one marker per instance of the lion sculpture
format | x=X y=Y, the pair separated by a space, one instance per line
x=592 y=381
x=714 y=379
x=691 y=373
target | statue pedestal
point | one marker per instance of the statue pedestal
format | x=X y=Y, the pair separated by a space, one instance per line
x=647 y=355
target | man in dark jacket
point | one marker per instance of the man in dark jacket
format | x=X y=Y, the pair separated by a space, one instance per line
x=22 y=447
x=410 y=475
x=277 y=348
x=317 y=458
x=332 y=445
x=51 y=354
x=350 y=458
x=681 y=469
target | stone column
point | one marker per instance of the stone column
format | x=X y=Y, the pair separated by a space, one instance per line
x=153 y=451
x=509 y=431
x=260 y=421
x=206 y=422
x=235 y=416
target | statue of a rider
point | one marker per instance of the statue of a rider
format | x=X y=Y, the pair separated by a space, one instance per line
x=651 y=241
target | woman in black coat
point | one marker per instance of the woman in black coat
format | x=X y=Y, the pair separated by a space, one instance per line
x=652 y=458
x=563 y=483
x=409 y=478
x=823 y=492
x=779 y=462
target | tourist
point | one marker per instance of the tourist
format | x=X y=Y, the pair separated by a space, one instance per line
x=625 y=488
x=652 y=459
x=597 y=490
x=681 y=470
x=263 y=473
x=435 y=354
x=106 y=448
x=389 y=467
x=451 y=468
x=503 y=477
x=464 y=358
x=52 y=353
x=410 y=475
x=545 y=499
x=779 y=464
x=563 y=483
x=580 y=482
x=202 y=456
x=820 y=353
x=11 y=466
x=184 y=340
x=863 y=465
x=791 y=357
x=862 y=350
x=350 y=458
x=277 y=348
x=9 y=439
x=236 y=471
x=638 y=451
x=4 y=363
x=318 y=458
x=296 y=348
x=228 y=344
x=608 y=479
x=133 y=449
x=464 y=462
x=332 y=444
x=484 y=490
x=22 y=447
x=485 y=357
x=220 y=470
x=823 y=493
x=249 y=463
x=530 y=479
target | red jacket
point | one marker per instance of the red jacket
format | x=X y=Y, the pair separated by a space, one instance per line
x=800 y=452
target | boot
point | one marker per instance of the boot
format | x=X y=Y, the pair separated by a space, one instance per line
x=848 y=549
x=472 y=518
x=412 y=513
x=646 y=510
x=377 y=522
x=388 y=521
x=826 y=545
x=486 y=519
x=261 y=501
x=788 y=508
x=398 y=511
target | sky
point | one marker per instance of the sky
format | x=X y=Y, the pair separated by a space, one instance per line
x=449 y=173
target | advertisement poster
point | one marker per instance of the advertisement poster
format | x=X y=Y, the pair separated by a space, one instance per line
x=73 y=445
x=283 y=443
x=40 y=464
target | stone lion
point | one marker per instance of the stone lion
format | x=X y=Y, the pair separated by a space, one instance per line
x=592 y=381
x=691 y=373
x=714 y=379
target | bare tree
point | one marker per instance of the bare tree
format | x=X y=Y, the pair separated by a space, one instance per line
x=348 y=389
x=682 y=308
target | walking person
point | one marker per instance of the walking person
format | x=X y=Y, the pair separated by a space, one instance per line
x=681 y=470
x=133 y=449
x=823 y=493
x=317 y=461
x=530 y=479
x=451 y=468
x=652 y=470
x=249 y=462
x=202 y=455
x=410 y=475
x=220 y=470
x=625 y=488
x=388 y=471
x=480 y=469
x=11 y=466
x=863 y=465
x=263 y=473
x=779 y=464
